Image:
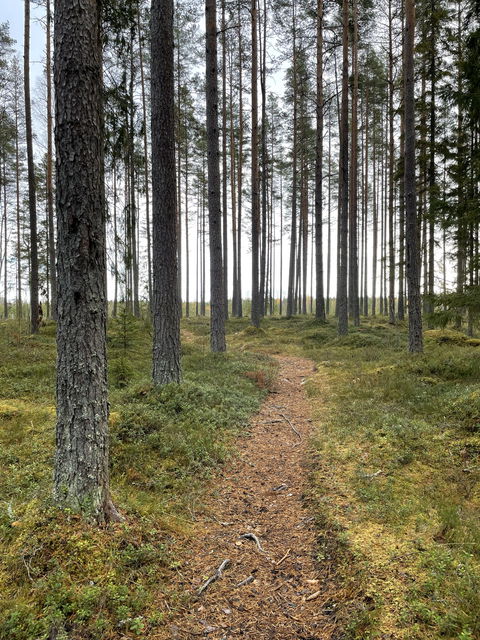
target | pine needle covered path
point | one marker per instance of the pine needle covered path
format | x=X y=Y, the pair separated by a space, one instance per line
x=251 y=568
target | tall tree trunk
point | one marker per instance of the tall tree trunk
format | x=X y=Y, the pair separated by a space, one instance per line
x=375 y=220
x=342 y=302
x=166 y=304
x=187 y=243
x=133 y=206
x=5 y=241
x=291 y=307
x=115 y=240
x=256 y=311
x=329 y=219
x=413 y=250
x=81 y=478
x=391 y=179
x=217 y=311
x=263 y=133
x=240 y=165
x=17 y=194
x=353 y=199
x=319 y=296
x=146 y=163
x=401 y=264
x=50 y=216
x=224 y=162
x=32 y=187
x=432 y=177
x=280 y=310
x=233 y=195
x=366 y=159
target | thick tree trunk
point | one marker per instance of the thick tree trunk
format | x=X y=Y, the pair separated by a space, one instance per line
x=81 y=461
x=166 y=306
x=413 y=250
x=217 y=311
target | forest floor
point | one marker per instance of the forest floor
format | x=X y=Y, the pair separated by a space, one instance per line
x=256 y=522
x=377 y=498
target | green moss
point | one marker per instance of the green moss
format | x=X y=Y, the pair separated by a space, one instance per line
x=397 y=474
x=59 y=573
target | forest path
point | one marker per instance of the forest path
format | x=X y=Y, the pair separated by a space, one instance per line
x=278 y=593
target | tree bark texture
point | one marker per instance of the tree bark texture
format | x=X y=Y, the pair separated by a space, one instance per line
x=415 y=343
x=319 y=295
x=217 y=300
x=255 y=312
x=81 y=461
x=32 y=187
x=342 y=302
x=166 y=306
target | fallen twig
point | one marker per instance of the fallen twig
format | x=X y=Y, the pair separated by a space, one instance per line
x=252 y=536
x=291 y=425
x=245 y=582
x=218 y=574
x=370 y=476
x=282 y=559
x=313 y=596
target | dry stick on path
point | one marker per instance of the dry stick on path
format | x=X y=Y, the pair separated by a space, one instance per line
x=243 y=583
x=218 y=574
x=291 y=425
x=252 y=536
x=283 y=558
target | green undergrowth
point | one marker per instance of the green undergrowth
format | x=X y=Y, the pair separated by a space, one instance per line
x=62 y=578
x=396 y=471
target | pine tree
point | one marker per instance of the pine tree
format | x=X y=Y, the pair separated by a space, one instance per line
x=165 y=304
x=81 y=460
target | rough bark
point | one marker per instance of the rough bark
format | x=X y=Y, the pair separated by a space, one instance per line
x=166 y=307
x=319 y=296
x=81 y=478
x=255 y=313
x=291 y=307
x=145 y=158
x=50 y=193
x=415 y=343
x=353 y=197
x=217 y=311
x=224 y=164
x=32 y=197
x=342 y=303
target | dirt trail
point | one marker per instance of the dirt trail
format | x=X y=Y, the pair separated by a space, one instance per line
x=283 y=594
